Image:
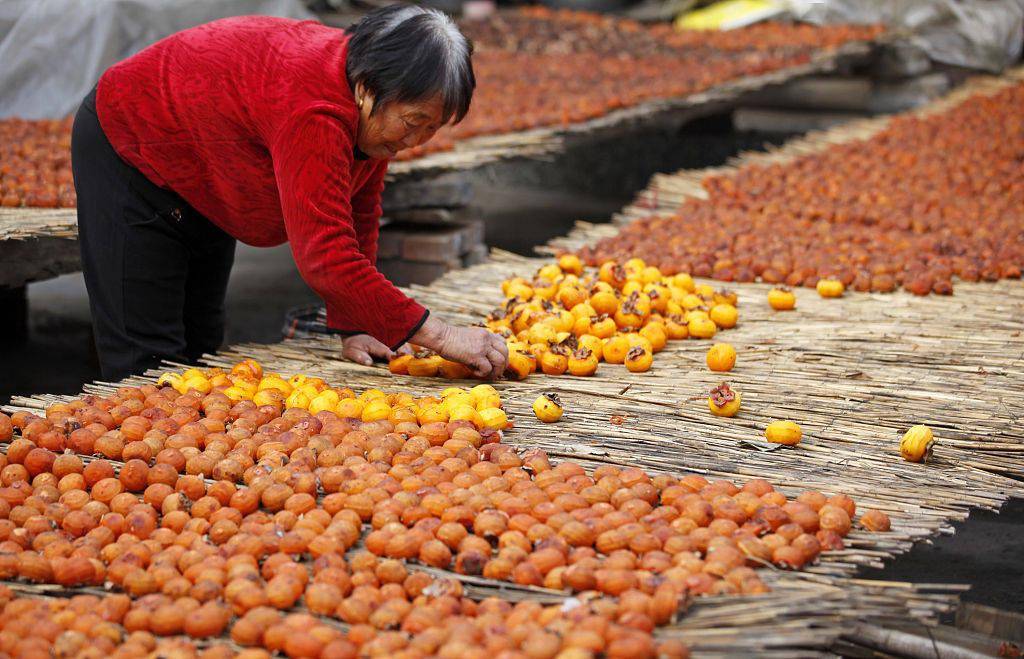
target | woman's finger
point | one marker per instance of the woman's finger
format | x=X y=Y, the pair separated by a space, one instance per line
x=499 y=344
x=406 y=349
x=357 y=355
x=498 y=362
x=379 y=350
x=481 y=367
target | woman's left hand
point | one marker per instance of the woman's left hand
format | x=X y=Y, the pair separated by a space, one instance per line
x=363 y=348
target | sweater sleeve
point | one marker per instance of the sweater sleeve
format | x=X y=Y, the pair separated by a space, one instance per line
x=312 y=156
x=366 y=212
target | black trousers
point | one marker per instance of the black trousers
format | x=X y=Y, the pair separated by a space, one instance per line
x=156 y=270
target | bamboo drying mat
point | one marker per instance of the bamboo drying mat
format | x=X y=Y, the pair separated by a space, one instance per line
x=853 y=372
x=27 y=223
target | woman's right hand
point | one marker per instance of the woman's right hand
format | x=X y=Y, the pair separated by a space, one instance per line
x=484 y=352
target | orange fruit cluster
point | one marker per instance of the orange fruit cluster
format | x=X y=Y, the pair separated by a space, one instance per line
x=203 y=558
x=536 y=67
x=925 y=200
x=35 y=163
x=567 y=321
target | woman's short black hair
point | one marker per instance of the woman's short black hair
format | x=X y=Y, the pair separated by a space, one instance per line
x=407 y=53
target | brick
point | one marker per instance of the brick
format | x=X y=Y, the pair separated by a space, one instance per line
x=473 y=234
x=428 y=215
x=389 y=242
x=432 y=193
x=404 y=273
x=433 y=245
x=475 y=256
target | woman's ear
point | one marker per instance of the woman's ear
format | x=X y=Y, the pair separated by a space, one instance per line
x=364 y=98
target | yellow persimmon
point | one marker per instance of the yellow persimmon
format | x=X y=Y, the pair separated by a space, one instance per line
x=725 y=296
x=570 y=295
x=676 y=328
x=247 y=384
x=236 y=394
x=371 y=394
x=781 y=298
x=650 y=275
x=612 y=274
x=721 y=357
x=544 y=289
x=400 y=364
x=723 y=401
x=274 y=382
x=554 y=363
x=325 y=400
x=639 y=359
x=541 y=332
x=783 y=432
x=551 y=272
x=691 y=301
x=169 y=380
x=604 y=302
x=493 y=418
x=220 y=381
x=453 y=370
x=298 y=399
x=248 y=368
x=481 y=391
x=706 y=291
x=538 y=350
x=582 y=310
x=570 y=263
x=269 y=396
x=426 y=366
x=701 y=327
x=593 y=344
x=309 y=389
x=488 y=401
x=724 y=315
x=615 y=349
x=830 y=288
x=916 y=445
x=581 y=326
x=376 y=409
x=632 y=286
x=656 y=333
x=463 y=397
x=602 y=327
x=548 y=407
x=684 y=281
x=521 y=364
x=582 y=362
x=198 y=383
x=563 y=320
x=659 y=295
x=350 y=408
x=634 y=265
x=520 y=290
x=466 y=413
x=431 y=414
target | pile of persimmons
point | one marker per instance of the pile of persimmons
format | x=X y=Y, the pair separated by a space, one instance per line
x=332 y=519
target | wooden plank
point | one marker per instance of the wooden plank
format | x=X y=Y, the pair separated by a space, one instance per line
x=36 y=259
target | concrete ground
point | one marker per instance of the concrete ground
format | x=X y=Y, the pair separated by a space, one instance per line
x=57 y=355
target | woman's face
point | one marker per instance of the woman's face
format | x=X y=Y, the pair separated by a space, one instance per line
x=395 y=126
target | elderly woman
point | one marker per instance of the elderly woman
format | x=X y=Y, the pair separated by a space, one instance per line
x=262 y=130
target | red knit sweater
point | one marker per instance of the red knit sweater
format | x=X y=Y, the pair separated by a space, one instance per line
x=252 y=122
